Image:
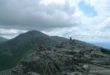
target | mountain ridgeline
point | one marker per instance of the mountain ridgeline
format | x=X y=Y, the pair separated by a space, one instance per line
x=14 y=49
x=35 y=53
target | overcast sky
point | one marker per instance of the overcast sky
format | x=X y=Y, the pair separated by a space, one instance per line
x=82 y=19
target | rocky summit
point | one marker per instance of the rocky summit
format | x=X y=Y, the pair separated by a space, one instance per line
x=68 y=57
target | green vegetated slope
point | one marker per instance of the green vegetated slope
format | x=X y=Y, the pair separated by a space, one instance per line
x=13 y=50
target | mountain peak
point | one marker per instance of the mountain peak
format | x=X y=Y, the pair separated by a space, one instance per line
x=33 y=32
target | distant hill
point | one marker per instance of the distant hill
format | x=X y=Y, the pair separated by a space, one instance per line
x=103 y=44
x=14 y=49
x=2 y=40
x=59 y=39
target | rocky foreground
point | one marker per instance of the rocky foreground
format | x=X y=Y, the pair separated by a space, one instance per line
x=71 y=57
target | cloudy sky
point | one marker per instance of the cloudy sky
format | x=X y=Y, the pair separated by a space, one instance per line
x=82 y=19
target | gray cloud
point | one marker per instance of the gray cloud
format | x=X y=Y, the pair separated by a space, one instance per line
x=10 y=33
x=30 y=14
x=66 y=19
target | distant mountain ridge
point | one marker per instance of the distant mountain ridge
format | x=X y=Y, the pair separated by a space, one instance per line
x=104 y=44
x=59 y=39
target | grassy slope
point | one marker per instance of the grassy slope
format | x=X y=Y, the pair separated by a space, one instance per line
x=13 y=50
